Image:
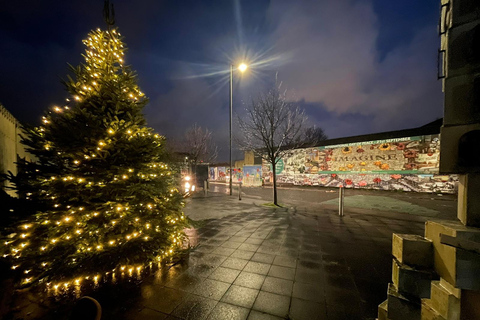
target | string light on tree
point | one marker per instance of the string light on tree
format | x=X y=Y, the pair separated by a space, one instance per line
x=109 y=200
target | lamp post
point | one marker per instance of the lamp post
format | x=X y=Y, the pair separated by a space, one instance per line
x=242 y=67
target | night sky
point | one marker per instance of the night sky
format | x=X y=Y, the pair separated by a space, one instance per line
x=356 y=66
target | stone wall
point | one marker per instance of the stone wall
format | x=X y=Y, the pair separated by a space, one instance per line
x=10 y=145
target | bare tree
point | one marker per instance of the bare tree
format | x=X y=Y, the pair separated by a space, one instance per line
x=312 y=136
x=271 y=128
x=198 y=145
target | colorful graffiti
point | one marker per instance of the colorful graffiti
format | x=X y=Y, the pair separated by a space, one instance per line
x=252 y=175
x=404 y=155
x=220 y=174
x=237 y=174
x=408 y=164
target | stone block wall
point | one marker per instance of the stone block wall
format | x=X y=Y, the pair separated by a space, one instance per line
x=10 y=146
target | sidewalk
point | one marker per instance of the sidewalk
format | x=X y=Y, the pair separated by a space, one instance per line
x=255 y=262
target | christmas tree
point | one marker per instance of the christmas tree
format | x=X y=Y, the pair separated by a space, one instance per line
x=107 y=198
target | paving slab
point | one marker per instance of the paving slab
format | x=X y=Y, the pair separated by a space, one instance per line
x=250 y=261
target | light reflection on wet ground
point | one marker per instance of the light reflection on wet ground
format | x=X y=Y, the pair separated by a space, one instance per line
x=256 y=262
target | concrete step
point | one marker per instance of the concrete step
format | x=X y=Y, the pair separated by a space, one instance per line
x=413 y=250
x=428 y=312
x=400 y=307
x=458 y=267
x=411 y=282
x=445 y=299
x=382 y=311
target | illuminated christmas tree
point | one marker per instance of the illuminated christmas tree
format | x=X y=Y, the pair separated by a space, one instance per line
x=107 y=198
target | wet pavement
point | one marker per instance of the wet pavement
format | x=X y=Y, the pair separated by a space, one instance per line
x=256 y=262
x=251 y=261
x=313 y=199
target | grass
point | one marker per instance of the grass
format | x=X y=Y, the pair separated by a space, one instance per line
x=272 y=205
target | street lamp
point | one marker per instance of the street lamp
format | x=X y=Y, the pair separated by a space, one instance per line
x=242 y=67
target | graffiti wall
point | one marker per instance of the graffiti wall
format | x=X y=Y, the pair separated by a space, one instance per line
x=237 y=174
x=252 y=176
x=218 y=173
x=249 y=175
x=408 y=164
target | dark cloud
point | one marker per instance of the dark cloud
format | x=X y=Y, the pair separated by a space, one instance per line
x=334 y=63
x=357 y=66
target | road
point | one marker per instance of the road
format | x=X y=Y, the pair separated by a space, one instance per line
x=424 y=205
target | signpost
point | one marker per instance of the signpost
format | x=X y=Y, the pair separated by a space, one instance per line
x=341 y=196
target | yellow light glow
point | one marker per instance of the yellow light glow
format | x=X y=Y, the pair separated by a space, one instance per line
x=242 y=67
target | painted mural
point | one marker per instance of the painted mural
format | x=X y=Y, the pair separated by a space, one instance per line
x=220 y=174
x=212 y=173
x=408 y=164
x=252 y=176
x=237 y=174
x=418 y=154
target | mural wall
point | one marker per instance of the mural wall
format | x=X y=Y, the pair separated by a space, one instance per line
x=408 y=164
x=249 y=175
x=217 y=173
x=252 y=176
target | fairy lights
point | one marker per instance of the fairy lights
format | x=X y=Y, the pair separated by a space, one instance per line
x=101 y=201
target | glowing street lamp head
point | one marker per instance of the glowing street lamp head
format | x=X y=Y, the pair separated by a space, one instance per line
x=242 y=67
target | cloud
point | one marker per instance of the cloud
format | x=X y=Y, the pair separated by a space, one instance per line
x=335 y=64
x=191 y=101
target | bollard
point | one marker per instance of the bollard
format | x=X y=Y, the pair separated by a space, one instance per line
x=205 y=191
x=341 y=194
x=240 y=191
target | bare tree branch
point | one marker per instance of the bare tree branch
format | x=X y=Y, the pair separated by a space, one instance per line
x=271 y=128
x=312 y=136
x=199 y=146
